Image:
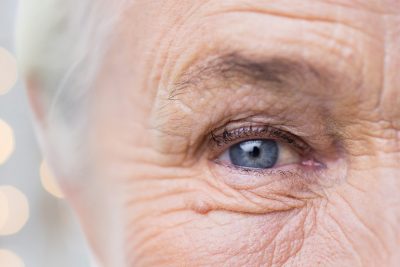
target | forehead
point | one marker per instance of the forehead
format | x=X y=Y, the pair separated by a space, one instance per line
x=353 y=39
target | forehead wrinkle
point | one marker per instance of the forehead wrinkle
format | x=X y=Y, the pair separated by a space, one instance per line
x=237 y=69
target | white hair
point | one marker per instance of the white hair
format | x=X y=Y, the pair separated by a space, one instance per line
x=60 y=45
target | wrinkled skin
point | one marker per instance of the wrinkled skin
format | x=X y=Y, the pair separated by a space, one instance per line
x=156 y=195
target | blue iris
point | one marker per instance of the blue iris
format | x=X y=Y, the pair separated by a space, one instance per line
x=260 y=154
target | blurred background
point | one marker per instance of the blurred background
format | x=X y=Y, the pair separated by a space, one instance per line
x=37 y=228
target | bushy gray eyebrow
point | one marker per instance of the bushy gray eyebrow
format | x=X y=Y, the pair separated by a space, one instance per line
x=239 y=69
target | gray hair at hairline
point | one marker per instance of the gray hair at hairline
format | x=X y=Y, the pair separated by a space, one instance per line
x=60 y=45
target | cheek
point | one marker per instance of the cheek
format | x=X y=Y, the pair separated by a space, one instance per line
x=224 y=238
x=367 y=209
x=169 y=222
x=160 y=228
x=186 y=238
x=227 y=238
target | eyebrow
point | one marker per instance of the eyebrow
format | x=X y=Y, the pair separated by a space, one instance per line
x=240 y=69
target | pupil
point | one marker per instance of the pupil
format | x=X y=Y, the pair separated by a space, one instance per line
x=255 y=153
x=260 y=154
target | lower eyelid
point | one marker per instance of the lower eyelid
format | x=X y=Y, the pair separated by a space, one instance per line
x=273 y=196
x=291 y=185
x=292 y=181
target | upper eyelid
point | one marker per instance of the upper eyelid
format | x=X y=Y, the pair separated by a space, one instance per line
x=258 y=131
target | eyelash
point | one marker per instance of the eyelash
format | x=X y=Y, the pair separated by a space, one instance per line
x=230 y=137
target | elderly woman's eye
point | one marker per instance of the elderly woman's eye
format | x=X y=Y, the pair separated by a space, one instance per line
x=258 y=153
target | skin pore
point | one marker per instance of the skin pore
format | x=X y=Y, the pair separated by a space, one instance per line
x=183 y=81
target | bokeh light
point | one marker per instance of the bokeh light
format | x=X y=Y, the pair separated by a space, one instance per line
x=8 y=71
x=10 y=259
x=16 y=210
x=3 y=209
x=48 y=180
x=6 y=141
